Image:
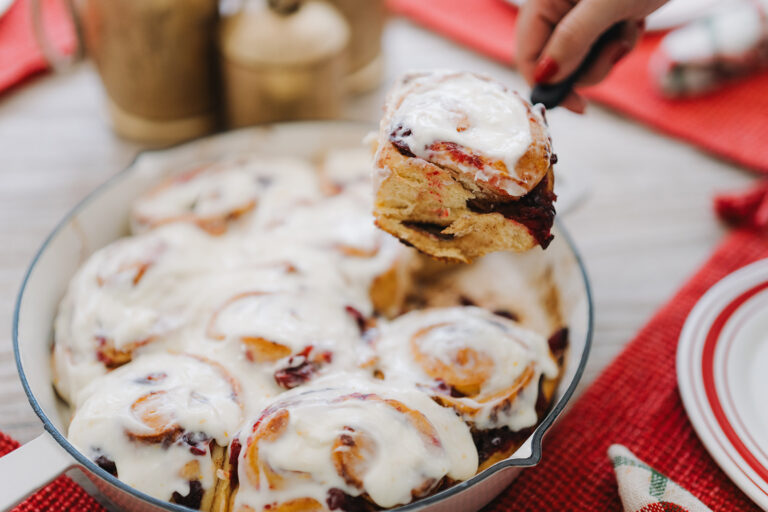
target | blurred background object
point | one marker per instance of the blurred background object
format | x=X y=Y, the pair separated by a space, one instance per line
x=177 y=69
x=366 y=63
x=283 y=60
x=155 y=59
x=706 y=54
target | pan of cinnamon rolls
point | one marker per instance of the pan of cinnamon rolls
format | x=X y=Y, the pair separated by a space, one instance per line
x=254 y=342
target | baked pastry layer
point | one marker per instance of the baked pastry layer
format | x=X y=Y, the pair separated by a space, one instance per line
x=463 y=169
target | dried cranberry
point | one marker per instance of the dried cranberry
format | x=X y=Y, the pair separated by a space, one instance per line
x=396 y=138
x=197 y=441
x=106 y=464
x=293 y=376
x=359 y=318
x=193 y=499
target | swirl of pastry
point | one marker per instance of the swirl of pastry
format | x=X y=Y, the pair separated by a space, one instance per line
x=483 y=365
x=489 y=135
x=370 y=259
x=345 y=441
x=161 y=423
x=147 y=278
x=295 y=333
x=463 y=167
x=216 y=195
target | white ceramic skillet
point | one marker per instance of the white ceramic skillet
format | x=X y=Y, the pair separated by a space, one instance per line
x=102 y=217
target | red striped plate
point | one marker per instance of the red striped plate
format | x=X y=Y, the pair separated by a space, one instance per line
x=722 y=373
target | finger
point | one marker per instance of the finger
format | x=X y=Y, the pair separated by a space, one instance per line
x=574 y=36
x=575 y=103
x=612 y=53
x=535 y=23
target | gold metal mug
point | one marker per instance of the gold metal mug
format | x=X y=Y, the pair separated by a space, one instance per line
x=156 y=60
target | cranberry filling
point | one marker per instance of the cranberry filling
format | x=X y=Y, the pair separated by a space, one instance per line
x=197 y=441
x=396 y=138
x=362 y=323
x=234 y=454
x=301 y=368
x=558 y=342
x=534 y=210
x=431 y=229
x=193 y=499
x=339 y=500
x=106 y=464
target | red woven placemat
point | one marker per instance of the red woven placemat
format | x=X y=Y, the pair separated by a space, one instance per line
x=20 y=55
x=732 y=123
x=61 y=495
x=635 y=402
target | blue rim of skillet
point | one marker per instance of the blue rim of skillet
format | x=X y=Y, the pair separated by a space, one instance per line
x=537 y=436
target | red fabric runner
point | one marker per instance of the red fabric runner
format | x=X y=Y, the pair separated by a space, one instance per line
x=732 y=123
x=20 y=55
x=61 y=495
x=635 y=402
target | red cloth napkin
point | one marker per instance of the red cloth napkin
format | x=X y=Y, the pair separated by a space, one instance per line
x=61 y=495
x=20 y=55
x=731 y=123
x=635 y=402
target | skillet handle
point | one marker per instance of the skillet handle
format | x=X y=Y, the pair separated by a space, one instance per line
x=30 y=467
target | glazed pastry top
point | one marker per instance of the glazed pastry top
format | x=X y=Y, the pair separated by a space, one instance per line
x=484 y=365
x=352 y=435
x=478 y=124
x=155 y=419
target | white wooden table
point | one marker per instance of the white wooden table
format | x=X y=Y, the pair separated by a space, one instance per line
x=645 y=226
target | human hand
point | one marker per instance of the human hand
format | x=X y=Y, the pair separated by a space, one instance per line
x=554 y=36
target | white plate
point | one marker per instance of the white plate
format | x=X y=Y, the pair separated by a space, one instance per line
x=722 y=373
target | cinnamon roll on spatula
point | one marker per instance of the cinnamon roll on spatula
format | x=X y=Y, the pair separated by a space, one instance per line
x=463 y=167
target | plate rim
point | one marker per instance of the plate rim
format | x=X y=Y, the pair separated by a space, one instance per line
x=732 y=291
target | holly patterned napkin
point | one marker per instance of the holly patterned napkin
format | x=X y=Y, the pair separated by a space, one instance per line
x=643 y=489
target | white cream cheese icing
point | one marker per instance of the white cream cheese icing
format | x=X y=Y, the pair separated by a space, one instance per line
x=154 y=416
x=470 y=110
x=410 y=443
x=297 y=270
x=472 y=349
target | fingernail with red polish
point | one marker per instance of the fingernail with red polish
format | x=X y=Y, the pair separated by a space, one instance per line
x=546 y=68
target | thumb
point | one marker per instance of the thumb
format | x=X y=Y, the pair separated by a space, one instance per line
x=573 y=37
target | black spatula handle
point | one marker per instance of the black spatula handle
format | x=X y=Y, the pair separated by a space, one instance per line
x=551 y=95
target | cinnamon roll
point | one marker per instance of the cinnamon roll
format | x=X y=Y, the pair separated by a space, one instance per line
x=463 y=167
x=217 y=195
x=161 y=424
x=483 y=365
x=129 y=297
x=346 y=443
x=295 y=334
